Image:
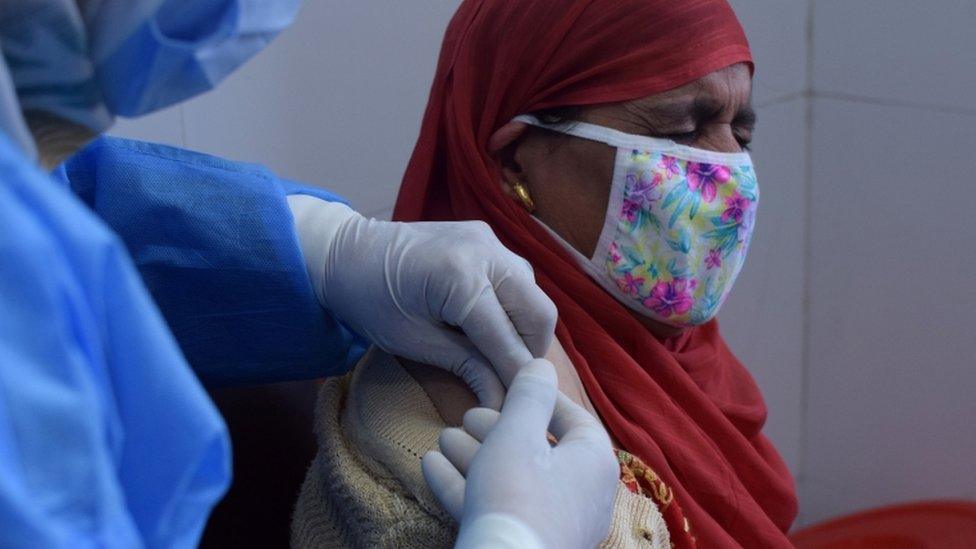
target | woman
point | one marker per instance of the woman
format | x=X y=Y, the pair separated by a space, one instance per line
x=637 y=240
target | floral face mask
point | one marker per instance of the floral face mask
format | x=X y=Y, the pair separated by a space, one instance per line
x=677 y=228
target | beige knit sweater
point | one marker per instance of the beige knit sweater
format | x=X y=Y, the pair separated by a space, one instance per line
x=366 y=488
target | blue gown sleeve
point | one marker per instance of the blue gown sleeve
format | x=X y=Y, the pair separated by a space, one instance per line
x=215 y=244
x=107 y=439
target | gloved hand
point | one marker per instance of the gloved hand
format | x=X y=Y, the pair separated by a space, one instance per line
x=516 y=481
x=445 y=294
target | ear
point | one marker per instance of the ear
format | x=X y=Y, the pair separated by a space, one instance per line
x=502 y=145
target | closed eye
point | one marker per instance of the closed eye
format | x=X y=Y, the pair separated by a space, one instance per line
x=744 y=142
x=684 y=137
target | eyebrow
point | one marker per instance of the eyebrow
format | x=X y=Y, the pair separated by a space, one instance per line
x=746 y=117
x=696 y=110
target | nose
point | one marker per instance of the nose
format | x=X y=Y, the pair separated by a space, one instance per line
x=717 y=138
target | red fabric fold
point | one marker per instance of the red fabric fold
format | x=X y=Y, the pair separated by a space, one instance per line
x=686 y=407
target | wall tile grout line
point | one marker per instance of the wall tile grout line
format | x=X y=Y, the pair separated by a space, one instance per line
x=807 y=255
x=785 y=98
x=888 y=102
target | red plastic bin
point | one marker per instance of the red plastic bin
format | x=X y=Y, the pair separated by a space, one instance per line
x=921 y=525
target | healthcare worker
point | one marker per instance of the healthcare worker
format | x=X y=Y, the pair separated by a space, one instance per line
x=106 y=436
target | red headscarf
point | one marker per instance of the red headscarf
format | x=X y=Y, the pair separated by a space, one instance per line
x=686 y=407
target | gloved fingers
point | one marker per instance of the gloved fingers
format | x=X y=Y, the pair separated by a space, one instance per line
x=478 y=422
x=445 y=482
x=490 y=329
x=483 y=380
x=572 y=424
x=583 y=441
x=453 y=352
x=530 y=310
x=458 y=447
x=529 y=403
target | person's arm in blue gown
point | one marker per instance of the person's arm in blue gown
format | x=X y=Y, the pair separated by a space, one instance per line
x=107 y=438
x=215 y=243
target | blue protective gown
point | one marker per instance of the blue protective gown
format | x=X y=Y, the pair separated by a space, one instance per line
x=106 y=436
x=215 y=244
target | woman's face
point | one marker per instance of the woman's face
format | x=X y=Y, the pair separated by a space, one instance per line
x=569 y=178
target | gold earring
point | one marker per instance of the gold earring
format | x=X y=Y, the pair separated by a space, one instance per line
x=523 y=194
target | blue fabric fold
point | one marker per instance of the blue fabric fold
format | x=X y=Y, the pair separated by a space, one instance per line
x=107 y=439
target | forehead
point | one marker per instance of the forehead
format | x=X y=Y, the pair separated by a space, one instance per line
x=722 y=96
x=727 y=89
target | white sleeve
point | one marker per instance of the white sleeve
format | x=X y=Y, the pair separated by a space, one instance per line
x=317 y=223
x=497 y=531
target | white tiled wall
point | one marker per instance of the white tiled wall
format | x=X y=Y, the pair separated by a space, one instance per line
x=892 y=366
x=855 y=311
x=160 y=127
x=891 y=369
x=777 y=32
x=335 y=101
x=902 y=50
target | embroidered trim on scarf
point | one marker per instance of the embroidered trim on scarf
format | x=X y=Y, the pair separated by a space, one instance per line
x=642 y=480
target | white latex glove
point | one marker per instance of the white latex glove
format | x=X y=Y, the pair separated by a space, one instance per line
x=516 y=481
x=445 y=294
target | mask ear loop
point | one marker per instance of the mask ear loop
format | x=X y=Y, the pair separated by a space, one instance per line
x=592 y=132
x=621 y=140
